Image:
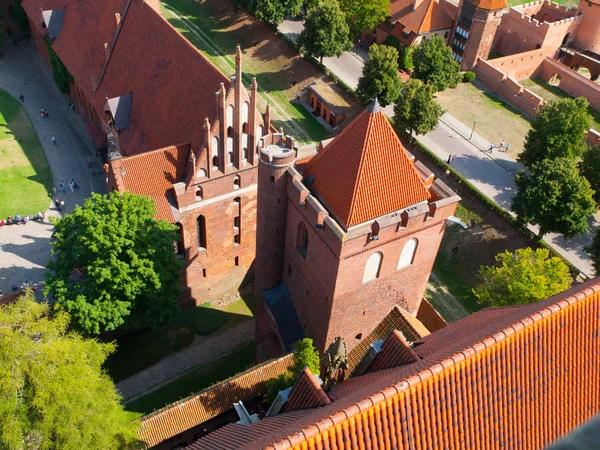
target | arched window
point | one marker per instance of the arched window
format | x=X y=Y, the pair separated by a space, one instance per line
x=259 y=132
x=245 y=110
x=215 y=145
x=408 y=253
x=236 y=182
x=215 y=162
x=245 y=127
x=244 y=154
x=230 y=158
x=230 y=116
x=372 y=267
x=230 y=132
x=302 y=239
x=201 y=225
x=198 y=193
x=201 y=173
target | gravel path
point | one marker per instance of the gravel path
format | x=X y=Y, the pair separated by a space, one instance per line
x=25 y=249
x=202 y=352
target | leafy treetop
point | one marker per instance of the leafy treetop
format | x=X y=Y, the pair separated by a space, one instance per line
x=594 y=251
x=365 y=14
x=415 y=110
x=435 y=65
x=590 y=169
x=380 y=76
x=114 y=264
x=554 y=196
x=53 y=391
x=525 y=276
x=557 y=131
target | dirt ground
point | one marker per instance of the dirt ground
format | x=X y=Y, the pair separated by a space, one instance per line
x=496 y=121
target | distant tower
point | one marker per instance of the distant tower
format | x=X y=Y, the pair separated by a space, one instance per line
x=474 y=30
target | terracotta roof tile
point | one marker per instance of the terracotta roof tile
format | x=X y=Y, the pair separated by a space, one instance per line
x=154 y=173
x=306 y=393
x=428 y=16
x=429 y=317
x=489 y=4
x=395 y=352
x=364 y=173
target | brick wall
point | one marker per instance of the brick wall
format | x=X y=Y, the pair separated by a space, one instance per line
x=588 y=32
x=38 y=41
x=571 y=81
x=481 y=37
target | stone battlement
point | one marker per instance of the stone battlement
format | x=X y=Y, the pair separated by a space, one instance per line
x=524 y=14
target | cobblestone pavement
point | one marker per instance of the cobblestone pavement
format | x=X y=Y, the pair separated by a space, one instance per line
x=25 y=249
x=202 y=352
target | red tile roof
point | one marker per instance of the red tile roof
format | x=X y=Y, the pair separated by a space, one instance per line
x=364 y=173
x=520 y=377
x=306 y=393
x=429 y=317
x=489 y=4
x=153 y=174
x=173 y=84
x=428 y=16
x=395 y=352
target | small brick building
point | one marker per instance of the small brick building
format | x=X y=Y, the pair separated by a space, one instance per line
x=341 y=244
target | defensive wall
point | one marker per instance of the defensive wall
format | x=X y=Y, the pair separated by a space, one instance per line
x=570 y=81
x=535 y=25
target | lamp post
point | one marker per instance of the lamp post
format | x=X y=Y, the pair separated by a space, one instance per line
x=473 y=130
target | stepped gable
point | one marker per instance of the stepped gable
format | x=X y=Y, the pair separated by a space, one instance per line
x=365 y=173
x=153 y=173
x=396 y=351
x=306 y=393
x=502 y=360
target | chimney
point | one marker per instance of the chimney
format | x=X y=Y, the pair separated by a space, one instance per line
x=106 y=50
x=118 y=18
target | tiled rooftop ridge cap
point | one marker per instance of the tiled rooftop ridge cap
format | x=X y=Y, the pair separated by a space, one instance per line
x=306 y=393
x=564 y=301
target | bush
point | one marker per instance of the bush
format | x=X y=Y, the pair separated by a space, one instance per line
x=468 y=77
x=274 y=385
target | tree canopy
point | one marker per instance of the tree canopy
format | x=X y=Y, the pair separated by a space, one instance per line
x=435 y=65
x=594 y=251
x=325 y=31
x=365 y=15
x=589 y=167
x=415 y=110
x=380 y=76
x=554 y=196
x=557 y=131
x=113 y=263
x=525 y=276
x=270 y=11
x=53 y=391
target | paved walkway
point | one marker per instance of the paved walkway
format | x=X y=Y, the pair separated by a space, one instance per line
x=25 y=249
x=493 y=174
x=202 y=352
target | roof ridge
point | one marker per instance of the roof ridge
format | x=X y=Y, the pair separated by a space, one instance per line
x=427 y=14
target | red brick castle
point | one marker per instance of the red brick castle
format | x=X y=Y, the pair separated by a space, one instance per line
x=344 y=238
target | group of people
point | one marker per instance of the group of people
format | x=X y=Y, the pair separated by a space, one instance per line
x=503 y=147
x=43 y=112
x=17 y=220
x=72 y=186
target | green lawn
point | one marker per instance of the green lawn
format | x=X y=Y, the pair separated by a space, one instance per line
x=25 y=176
x=550 y=92
x=569 y=3
x=446 y=269
x=194 y=381
x=141 y=349
x=275 y=66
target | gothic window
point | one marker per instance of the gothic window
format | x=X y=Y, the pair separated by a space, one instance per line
x=198 y=193
x=408 y=253
x=244 y=154
x=302 y=239
x=215 y=153
x=201 y=173
x=230 y=132
x=215 y=162
x=230 y=116
x=245 y=110
x=230 y=158
x=201 y=225
x=236 y=182
x=259 y=132
x=372 y=267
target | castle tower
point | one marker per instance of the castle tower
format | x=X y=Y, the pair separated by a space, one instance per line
x=363 y=224
x=587 y=35
x=474 y=30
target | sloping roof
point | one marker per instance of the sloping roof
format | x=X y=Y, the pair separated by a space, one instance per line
x=153 y=174
x=53 y=21
x=198 y=408
x=173 y=84
x=429 y=317
x=426 y=17
x=395 y=352
x=489 y=4
x=306 y=393
x=520 y=376
x=364 y=173
x=280 y=304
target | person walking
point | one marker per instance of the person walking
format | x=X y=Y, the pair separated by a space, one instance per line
x=75 y=185
x=502 y=144
x=71 y=186
x=62 y=186
x=507 y=147
x=449 y=159
x=491 y=147
x=53 y=191
x=62 y=204
x=54 y=139
x=22 y=98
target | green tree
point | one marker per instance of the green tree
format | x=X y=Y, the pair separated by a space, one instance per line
x=325 y=31
x=406 y=58
x=380 y=76
x=270 y=11
x=415 y=110
x=435 y=65
x=114 y=264
x=525 y=276
x=292 y=7
x=558 y=131
x=53 y=391
x=594 y=251
x=554 y=196
x=365 y=15
x=589 y=167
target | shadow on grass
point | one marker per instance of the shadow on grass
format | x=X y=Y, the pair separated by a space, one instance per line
x=142 y=348
x=309 y=124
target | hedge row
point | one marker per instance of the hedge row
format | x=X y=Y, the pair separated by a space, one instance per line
x=494 y=206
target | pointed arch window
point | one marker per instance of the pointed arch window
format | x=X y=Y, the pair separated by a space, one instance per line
x=372 y=267
x=407 y=255
x=230 y=116
x=199 y=192
x=236 y=182
x=201 y=226
x=202 y=173
x=302 y=239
